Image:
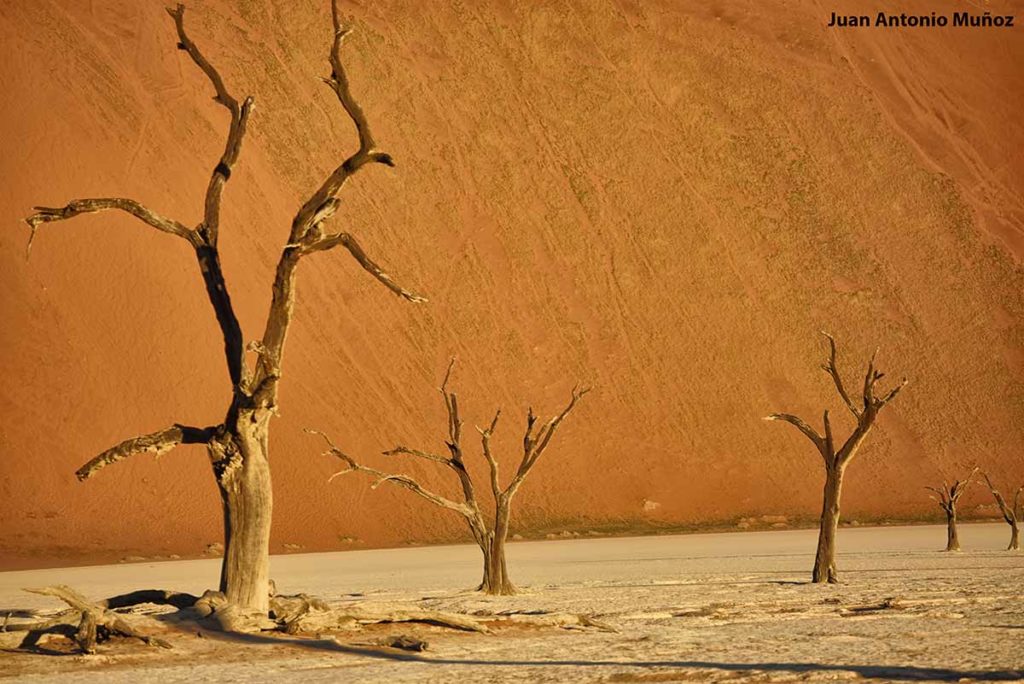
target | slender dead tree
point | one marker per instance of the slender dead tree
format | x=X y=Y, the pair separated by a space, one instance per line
x=836 y=460
x=947 y=499
x=1011 y=514
x=238 y=444
x=491 y=535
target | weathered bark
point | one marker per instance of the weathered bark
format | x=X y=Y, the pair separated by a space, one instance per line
x=490 y=538
x=243 y=477
x=952 y=534
x=496 y=580
x=836 y=460
x=947 y=500
x=238 y=447
x=90 y=617
x=1011 y=512
x=825 y=558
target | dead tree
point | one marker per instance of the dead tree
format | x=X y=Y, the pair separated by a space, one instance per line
x=238 y=444
x=1011 y=514
x=947 y=499
x=490 y=535
x=836 y=460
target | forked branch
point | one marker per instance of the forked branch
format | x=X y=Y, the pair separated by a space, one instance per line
x=236 y=132
x=307 y=234
x=321 y=201
x=948 y=496
x=1010 y=513
x=349 y=242
x=865 y=415
x=382 y=477
x=536 y=446
x=832 y=369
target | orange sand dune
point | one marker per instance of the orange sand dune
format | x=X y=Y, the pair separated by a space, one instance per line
x=666 y=200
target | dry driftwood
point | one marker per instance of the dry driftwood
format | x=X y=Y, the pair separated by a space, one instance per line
x=95 y=623
x=948 y=497
x=492 y=535
x=573 y=621
x=87 y=622
x=837 y=459
x=404 y=643
x=304 y=615
x=891 y=603
x=238 y=446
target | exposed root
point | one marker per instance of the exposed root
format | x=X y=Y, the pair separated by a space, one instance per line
x=303 y=614
x=86 y=624
x=544 y=619
x=159 y=597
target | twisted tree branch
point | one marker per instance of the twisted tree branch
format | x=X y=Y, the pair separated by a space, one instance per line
x=396 y=478
x=832 y=369
x=236 y=132
x=803 y=427
x=349 y=242
x=157 y=442
x=492 y=463
x=1009 y=514
x=426 y=455
x=328 y=190
x=88 y=206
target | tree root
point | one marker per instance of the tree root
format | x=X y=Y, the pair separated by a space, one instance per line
x=95 y=623
x=303 y=614
x=545 y=619
x=87 y=623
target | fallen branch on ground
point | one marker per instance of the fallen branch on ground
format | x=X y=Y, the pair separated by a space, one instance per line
x=891 y=603
x=96 y=623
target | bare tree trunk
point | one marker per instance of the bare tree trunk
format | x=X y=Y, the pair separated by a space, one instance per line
x=825 y=559
x=496 y=580
x=952 y=539
x=242 y=470
x=1014 y=537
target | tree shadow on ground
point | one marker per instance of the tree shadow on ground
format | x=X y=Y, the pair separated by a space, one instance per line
x=882 y=672
x=184 y=623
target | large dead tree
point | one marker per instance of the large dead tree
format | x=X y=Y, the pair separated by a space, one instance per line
x=1011 y=514
x=947 y=498
x=489 y=534
x=837 y=459
x=238 y=444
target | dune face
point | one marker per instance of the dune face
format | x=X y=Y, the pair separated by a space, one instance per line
x=665 y=200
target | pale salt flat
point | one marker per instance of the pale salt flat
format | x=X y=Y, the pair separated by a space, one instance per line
x=702 y=607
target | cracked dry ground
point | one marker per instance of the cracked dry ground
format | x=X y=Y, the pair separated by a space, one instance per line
x=898 y=616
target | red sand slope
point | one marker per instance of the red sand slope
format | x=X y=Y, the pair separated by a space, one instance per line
x=664 y=199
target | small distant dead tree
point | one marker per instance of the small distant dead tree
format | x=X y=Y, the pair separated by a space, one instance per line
x=1011 y=514
x=489 y=537
x=947 y=499
x=836 y=460
x=238 y=445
